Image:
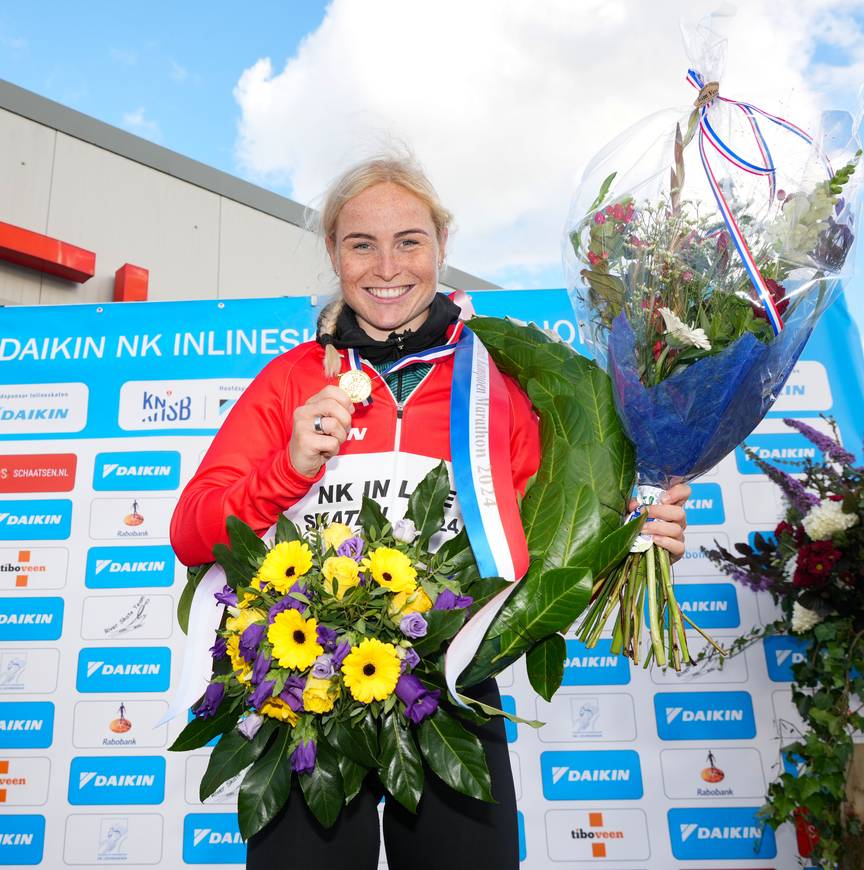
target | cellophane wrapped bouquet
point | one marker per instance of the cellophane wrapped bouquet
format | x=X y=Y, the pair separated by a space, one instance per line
x=329 y=663
x=701 y=249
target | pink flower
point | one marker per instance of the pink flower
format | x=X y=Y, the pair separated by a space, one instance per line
x=636 y=242
x=687 y=276
x=599 y=218
x=594 y=259
x=628 y=214
x=618 y=211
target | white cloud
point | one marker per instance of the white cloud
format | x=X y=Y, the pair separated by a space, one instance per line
x=503 y=101
x=178 y=72
x=137 y=122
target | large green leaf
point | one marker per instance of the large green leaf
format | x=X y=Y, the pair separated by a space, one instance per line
x=238 y=572
x=401 y=770
x=322 y=787
x=614 y=547
x=371 y=517
x=353 y=775
x=455 y=755
x=426 y=503
x=545 y=664
x=200 y=731
x=443 y=624
x=244 y=542
x=193 y=577
x=456 y=552
x=359 y=741
x=286 y=530
x=266 y=786
x=232 y=754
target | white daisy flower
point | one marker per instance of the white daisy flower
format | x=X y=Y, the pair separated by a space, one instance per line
x=682 y=333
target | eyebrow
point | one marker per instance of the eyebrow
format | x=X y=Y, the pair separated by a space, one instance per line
x=397 y=235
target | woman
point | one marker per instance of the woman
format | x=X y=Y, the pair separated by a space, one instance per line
x=296 y=443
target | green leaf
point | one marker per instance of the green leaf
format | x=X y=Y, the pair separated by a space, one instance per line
x=545 y=663
x=371 y=517
x=238 y=572
x=353 y=775
x=426 y=503
x=200 y=731
x=443 y=624
x=266 y=787
x=455 y=755
x=245 y=543
x=456 y=552
x=231 y=755
x=359 y=742
x=286 y=530
x=614 y=547
x=401 y=770
x=193 y=577
x=322 y=787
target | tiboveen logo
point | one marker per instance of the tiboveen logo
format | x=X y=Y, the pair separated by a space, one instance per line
x=27 y=409
x=182 y=404
x=597 y=834
x=33 y=567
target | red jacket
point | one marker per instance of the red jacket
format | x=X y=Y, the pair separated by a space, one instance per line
x=247 y=471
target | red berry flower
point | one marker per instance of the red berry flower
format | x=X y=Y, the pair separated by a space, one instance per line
x=815 y=562
x=778 y=295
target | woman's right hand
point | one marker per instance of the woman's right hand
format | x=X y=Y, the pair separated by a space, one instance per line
x=308 y=449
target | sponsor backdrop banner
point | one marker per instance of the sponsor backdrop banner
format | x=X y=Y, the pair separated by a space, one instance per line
x=105 y=412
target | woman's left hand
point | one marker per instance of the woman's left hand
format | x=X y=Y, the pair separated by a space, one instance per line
x=667 y=530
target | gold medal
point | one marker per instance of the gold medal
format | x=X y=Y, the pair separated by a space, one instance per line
x=357 y=384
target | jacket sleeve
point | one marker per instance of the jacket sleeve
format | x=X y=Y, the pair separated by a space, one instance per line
x=524 y=436
x=246 y=472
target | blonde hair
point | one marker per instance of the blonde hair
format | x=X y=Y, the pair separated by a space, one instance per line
x=404 y=171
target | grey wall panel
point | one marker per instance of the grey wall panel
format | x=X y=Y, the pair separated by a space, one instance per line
x=131 y=213
x=26 y=157
x=19 y=286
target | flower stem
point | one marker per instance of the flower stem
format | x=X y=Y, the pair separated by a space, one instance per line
x=654 y=625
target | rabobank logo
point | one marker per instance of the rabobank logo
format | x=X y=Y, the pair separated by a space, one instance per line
x=212 y=838
x=719 y=833
x=129 y=567
x=705 y=505
x=22 y=840
x=31 y=619
x=784 y=450
x=781 y=652
x=140 y=470
x=95 y=780
x=124 y=669
x=26 y=724
x=709 y=605
x=35 y=519
x=704 y=715
x=594 y=667
x=591 y=775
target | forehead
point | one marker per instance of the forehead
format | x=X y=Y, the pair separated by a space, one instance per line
x=384 y=209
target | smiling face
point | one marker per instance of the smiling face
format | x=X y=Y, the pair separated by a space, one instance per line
x=386 y=251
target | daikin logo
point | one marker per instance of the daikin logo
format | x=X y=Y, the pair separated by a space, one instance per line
x=782 y=653
x=126 y=669
x=129 y=567
x=784 y=450
x=22 y=840
x=31 y=619
x=602 y=775
x=711 y=605
x=122 y=780
x=704 y=715
x=150 y=470
x=42 y=520
x=719 y=833
x=212 y=838
x=705 y=505
x=26 y=724
x=594 y=667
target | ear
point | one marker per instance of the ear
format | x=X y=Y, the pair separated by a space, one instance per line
x=442 y=244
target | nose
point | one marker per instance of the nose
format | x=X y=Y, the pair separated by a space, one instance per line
x=386 y=267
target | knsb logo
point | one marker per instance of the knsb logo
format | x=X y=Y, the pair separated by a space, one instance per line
x=31 y=619
x=122 y=670
x=129 y=567
x=35 y=520
x=164 y=406
x=705 y=505
x=781 y=652
x=594 y=667
x=150 y=470
x=95 y=780
x=709 y=605
x=704 y=716
x=22 y=840
x=591 y=775
x=212 y=838
x=26 y=724
x=719 y=833
x=781 y=450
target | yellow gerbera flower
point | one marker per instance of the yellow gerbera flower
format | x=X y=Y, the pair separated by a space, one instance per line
x=319 y=695
x=294 y=639
x=336 y=534
x=276 y=708
x=391 y=569
x=371 y=670
x=245 y=616
x=242 y=669
x=410 y=602
x=345 y=571
x=284 y=564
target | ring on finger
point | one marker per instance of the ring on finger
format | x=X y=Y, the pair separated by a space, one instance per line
x=316 y=425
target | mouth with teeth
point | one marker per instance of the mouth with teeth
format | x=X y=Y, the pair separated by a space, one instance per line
x=389 y=293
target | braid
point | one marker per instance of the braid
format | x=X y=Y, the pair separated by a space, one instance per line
x=326 y=329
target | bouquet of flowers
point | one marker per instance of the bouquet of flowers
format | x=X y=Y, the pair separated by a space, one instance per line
x=329 y=662
x=700 y=253
x=811 y=567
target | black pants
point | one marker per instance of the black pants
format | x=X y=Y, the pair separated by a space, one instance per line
x=449 y=832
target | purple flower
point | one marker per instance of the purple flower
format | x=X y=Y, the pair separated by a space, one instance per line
x=413 y=625
x=250 y=725
x=327 y=637
x=289 y=602
x=756 y=582
x=250 y=640
x=448 y=600
x=212 y=699
x=261 y=666
x=824 y=442
x=303 y=757
x=410 y=660
x=352 y=547
x=419 y=701
x=338 y=654
x=219 y=649
x=292 y=693
x=262 y=693
x=792 y=488
x=227 y=596
x=323 y=669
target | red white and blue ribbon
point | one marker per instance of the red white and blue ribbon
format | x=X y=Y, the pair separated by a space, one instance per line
x=707 y=133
